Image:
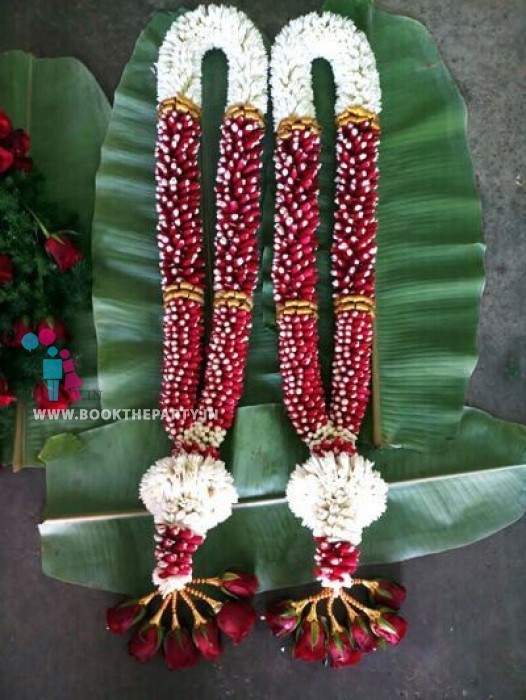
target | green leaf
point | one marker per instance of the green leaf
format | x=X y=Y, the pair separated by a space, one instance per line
x=60 y=446
x=96 y=533
x=59 y=102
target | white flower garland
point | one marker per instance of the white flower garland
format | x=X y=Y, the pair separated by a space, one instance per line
x=210 y=27
x=190 y=491
x=335 y=39
x=337 y=496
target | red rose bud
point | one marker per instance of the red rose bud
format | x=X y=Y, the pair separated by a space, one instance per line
x=362 y=635
x=6 y=269
x=41 y=397
x=21 y=326
x=179 y=650
x=122 y=617
x=206 y=639
x=56 y=325
x=5 y=125
x=310 y=643
x=145 y=643
x=282 y=618
x=236 y=618
x=342 y=651
x=388 y=593
x=390 y=627
x=19 y=142
x=6 y=159
x=63 y=251
x=6 y=399
x=240 y=584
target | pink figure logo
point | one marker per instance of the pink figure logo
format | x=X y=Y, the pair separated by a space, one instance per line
x=72 y=381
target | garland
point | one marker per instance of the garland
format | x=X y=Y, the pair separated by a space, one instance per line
x=191 y=491
x=43 y=278
x=336 y=493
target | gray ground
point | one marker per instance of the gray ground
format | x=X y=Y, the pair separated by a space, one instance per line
x=467 y=636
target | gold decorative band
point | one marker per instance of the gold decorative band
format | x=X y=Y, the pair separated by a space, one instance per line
x=301 y=307
x=180 y=104
x=288 y=126
x=245 y=111
x=183 y=290
x=357 y=115
x=230 y=297
x=354 y=303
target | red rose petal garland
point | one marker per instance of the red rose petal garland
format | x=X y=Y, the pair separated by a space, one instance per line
x=337 y=493
x=191 y=491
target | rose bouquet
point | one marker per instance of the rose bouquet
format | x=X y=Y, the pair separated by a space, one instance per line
x=43 y=277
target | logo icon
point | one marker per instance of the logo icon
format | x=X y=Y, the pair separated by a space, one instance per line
x=57 y=366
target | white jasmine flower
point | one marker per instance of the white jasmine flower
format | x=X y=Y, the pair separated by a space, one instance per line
x=210 y=27
x=337 y=496
x=335 y=39
x=190 y=491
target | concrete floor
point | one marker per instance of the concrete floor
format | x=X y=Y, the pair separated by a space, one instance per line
x=466 y=638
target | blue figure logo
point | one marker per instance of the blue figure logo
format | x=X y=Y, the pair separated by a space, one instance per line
x=52 y=373
x=55 y=368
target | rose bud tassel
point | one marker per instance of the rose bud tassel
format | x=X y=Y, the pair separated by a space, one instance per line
x=191 y=491
x=337 y=493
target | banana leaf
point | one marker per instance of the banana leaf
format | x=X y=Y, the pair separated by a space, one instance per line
x=430 y=255
x=429 y=280
x=95 y=532
x=60 y=104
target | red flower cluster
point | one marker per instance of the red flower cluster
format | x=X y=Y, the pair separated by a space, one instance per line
x=181 y=646
x=365 y=630
x=14 y=144
x=335 y=560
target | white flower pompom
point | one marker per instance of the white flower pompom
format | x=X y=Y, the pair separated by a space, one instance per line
x=337 y=496
x=335 y=39
x=192 y=35
x=190 y=491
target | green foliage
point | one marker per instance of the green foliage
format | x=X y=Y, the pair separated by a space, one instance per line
x=39 y=290
x=60 y=104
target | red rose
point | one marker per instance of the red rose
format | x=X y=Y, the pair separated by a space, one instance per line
x=40 y=394
x=63 y=251
x=342 y=651
x=6 y=269
x=145 y=643
x=179 y=650
x=388 y=593
x=18 y=142
x=6 y=159
x=6 y=399
x=362 y=635
x=240 y=584
x=310 y=644
x=282 y=618
x=5 y=125
x=390 y=627
x=21 y=326
x=236 y=618
x=56 y=325
x=206 y=639
x=122 y=617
